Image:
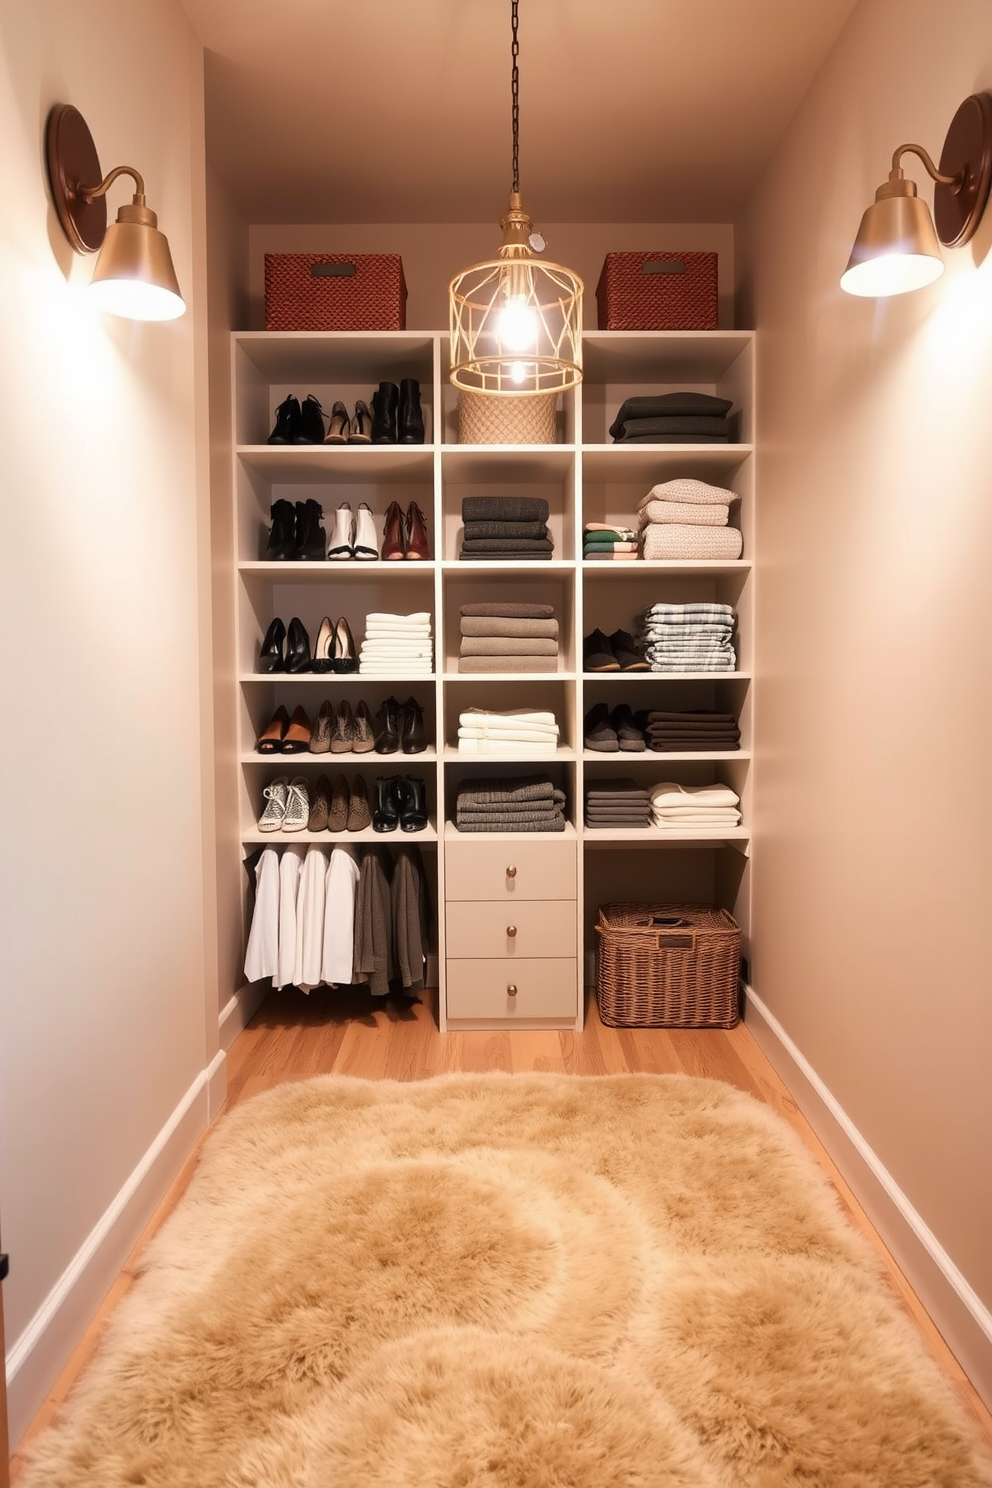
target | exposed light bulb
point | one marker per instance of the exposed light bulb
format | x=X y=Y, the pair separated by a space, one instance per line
x=136 y=300
x=517 y=325
x=518 y=372
x=892 y=274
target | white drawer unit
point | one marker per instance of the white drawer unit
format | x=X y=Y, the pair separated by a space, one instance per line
x=532 y=928
x=499 y=992
x=511 y=869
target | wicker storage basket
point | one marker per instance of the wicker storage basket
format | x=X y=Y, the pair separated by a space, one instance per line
x=668 y=966
x=334 y=292
x=658 y=292
x=486 y=419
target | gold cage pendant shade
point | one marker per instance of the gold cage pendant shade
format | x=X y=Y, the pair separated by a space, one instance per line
x=516 y=321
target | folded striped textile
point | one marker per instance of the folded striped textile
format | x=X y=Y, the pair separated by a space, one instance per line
x=509 y=625
x=513 y=748
x=508 y=718
x=693 y=492
x=601 y=557
x=689 y=629
x=668 y=793
x=507 y=610
x=491 y=788
x=594 y=549
x=695 y=611
x=605 y=527
x=593 y=536
x=507 y=663
x=659 y=540
x=681 y=404
x=556 y=824
x=504 y=509
x=507 y=646
x=704 y=664
x=688 y=427
x=505 y=529
x=710 y=514
x=419 y=617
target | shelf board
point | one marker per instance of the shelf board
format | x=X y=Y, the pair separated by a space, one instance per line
x=254 y=838
x=322 y=357
x=324 y=569
x=452 y=752
x=658 y=835
x=507 y=565
x=344 y=464
x=666 y=676
x=452 y=834
x=650 y=462
x=658 y=757
x=525 y=462
x=333 y=679
x=704 y=566
x=339 y=761
x=453 y=675
x=671 y=356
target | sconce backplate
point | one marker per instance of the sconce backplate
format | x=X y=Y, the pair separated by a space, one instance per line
x=957 y=211
x=73 y=162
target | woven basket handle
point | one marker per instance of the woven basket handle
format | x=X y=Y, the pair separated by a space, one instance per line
x=674 y=934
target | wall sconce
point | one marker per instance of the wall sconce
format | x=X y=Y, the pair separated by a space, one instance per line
x=896 y=248
x=134 y=275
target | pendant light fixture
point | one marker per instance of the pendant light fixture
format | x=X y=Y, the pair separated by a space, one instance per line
x=896 y=249
x=134 y=276
x=516 y=321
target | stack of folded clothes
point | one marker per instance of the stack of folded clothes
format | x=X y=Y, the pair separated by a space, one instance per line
x=688 y=519
x=689 y=637
x=603 y=540
x=509 y=527
x=515 y=732
x=396 y=645
x=528 y=804
x=683 y=732
x=510 y=637
x=674 y=806
x=617 y=803
x=673 y=418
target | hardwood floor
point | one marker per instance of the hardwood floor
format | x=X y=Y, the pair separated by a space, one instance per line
x=293 y=1037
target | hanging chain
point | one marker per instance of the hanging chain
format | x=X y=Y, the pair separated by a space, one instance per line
x=515 y=91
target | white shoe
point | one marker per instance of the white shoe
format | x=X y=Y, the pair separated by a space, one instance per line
x=276 y=797
x=297 y=806
x=339 y=545
x=365 y=546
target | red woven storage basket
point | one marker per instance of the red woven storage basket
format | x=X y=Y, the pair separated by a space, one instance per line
x=334 y=292
x=668 y=966
x=658 y=292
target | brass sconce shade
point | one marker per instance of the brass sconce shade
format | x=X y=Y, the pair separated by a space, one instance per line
x=897 y=246
x=516 y=322
x=134 y=275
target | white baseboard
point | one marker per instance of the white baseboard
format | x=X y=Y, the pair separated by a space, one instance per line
x=37 y=1357
x=961 y=1317
x=237 y=1013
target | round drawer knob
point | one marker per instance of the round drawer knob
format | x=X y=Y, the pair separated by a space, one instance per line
x=511 y=990
x=511 y=872
x=511 y=931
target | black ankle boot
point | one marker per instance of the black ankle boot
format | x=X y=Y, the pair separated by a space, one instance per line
x=413 y=740
x=385 y=406
x=282 y=537
x=413 y=804
x=311 y=422
x=411 y=417
x=386 y=812
x=287 y=426
x=311 y=539
x=387 y=736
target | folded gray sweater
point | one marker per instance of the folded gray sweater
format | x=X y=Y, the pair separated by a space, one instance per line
x=671 y=404
x=475 y=530
x=508 y=610
x=490 y=788
x=504 y=509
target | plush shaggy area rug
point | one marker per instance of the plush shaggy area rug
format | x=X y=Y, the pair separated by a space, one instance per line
x=510 y=1281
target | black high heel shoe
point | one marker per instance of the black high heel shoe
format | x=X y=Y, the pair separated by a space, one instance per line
x=411 y=418
x=297 y=647
x=413 y=740
x=386 y=812
x=323 y=647
x=311 y=539
x=344 y=657
x=385 y=406
x=287 y=425
x=387 y=733
x=413 y=804
x=311 y=422
x=270 y=658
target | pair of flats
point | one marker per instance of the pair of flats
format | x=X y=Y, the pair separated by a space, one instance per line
x=287 y=805
x=339 y=807
x=342 y=731
x=353 y=536
x=614 y=653
x=607 y=731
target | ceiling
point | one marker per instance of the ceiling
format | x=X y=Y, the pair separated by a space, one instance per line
x=642 y=111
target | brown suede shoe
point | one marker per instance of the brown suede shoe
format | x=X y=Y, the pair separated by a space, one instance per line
x=364 y=741
x=337 y=816
x=319 y=805
x=359 y=815
x=343 y=736
x=417 y=545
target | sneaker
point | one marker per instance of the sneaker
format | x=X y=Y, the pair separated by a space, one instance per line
x=297 y=812
x=276 y=795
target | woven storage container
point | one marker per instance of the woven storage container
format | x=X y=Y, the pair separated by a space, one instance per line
x=334 y=292
x=487 y=419
x=658 y=292
x=668 y=966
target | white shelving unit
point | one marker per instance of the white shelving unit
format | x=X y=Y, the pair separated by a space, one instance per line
x=584 y=477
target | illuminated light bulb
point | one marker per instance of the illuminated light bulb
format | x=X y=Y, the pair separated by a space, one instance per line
x=135 y=300
x=518 y=372
x=892 y=274
x=517 y=325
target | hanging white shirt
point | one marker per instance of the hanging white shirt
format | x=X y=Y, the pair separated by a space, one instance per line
x=262 y=954
x=290 y=867
x=310 y=920
x=338 y=958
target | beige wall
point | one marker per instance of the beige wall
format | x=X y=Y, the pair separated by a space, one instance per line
x=872 y=880
x=106 y=1044
x=433 y=255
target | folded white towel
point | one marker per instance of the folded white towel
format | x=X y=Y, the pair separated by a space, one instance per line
x=521 y=736
x=419 y=617
x=397 y=648
x=733 y=819
x=695 y=491
x=668 y=793
x=397 y=633
x=506 y=719
x=507 y=746
x=705 y=514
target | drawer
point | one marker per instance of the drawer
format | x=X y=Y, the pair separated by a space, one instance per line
x=541 y=927
x=482 y=870
x=543 y=989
